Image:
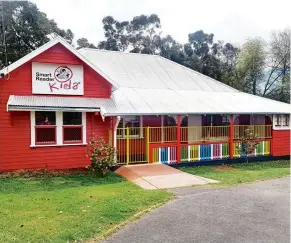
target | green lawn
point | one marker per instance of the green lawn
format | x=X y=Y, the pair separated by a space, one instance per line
x=68 y=208
x=240 y=173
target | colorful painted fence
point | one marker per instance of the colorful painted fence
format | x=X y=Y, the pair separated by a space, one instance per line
x=168 y=154
x=204 y=152
x=165 y=155
x=262 y=148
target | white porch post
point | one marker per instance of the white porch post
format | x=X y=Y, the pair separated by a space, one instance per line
x=115 y=132
x=162 y=129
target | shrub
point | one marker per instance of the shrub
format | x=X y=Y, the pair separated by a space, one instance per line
x=247 y=142
x=102 y=155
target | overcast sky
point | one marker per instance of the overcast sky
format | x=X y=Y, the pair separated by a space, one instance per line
x=229 y=20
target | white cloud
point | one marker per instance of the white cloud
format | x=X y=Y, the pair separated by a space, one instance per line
x=228 y=20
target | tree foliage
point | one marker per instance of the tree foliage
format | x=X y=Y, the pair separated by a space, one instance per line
x=250 y=65
x=26 y=28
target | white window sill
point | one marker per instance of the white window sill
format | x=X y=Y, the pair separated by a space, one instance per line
x=282 y=128
x=58 y=145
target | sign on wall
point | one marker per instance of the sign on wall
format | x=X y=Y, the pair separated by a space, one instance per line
x=48 y=78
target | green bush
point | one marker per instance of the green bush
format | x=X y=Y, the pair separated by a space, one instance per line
x=102 y=155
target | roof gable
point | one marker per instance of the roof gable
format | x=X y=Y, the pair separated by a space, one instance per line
x=48 y=45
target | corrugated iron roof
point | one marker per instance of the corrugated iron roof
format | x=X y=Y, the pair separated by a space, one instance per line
x=132 y=70
x=150 y=84
x=55 y=103
x=158 y=101
x=132 y=101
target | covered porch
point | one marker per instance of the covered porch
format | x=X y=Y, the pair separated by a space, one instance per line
x=184 y=138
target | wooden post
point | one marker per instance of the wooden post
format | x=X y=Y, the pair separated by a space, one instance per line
x=231 y=135
x=272 y=142
x=179 y=138
x=148 y=144
x=127 y=145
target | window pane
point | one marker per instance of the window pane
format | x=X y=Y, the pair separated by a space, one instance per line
x=278 y=120
x=132 y=121
x=286 y=120
x=45 y=118
x=72 y=118
x=73 y=134
x=45 y=135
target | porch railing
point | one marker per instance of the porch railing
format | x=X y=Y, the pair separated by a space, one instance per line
x=260 y=131
x=156 y=144
x=204 y=133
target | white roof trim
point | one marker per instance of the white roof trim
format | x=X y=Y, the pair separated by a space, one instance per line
x=48 y=45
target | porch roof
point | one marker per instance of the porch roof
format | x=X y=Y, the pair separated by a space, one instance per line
x=30 y=103
x=134 y=101
x=129 y=101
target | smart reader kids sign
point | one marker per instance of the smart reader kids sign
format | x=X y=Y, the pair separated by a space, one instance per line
x=48 y=78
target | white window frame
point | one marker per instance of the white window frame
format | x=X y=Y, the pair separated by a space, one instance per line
x=282 y=125
x=131 y=136
x=59 y=125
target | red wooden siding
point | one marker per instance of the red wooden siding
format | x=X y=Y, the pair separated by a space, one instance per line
x=281 y=142
x=15 y=151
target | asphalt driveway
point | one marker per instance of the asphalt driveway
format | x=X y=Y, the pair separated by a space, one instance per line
x=257 y=212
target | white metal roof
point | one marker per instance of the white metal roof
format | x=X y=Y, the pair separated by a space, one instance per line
x=131 y=101
x=55 y=103
x=128 y=101
x=132 y=70
x=148 y=84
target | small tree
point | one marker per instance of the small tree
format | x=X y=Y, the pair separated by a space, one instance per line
x=102 y=155
x=247 y=143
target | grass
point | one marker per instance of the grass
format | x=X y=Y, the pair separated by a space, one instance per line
x=68 y=208
x=241 y=173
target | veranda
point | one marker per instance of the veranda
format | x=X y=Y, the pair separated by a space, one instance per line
x=174 y=139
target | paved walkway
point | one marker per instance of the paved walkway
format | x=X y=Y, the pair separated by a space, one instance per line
x=250 y=213
x=160 y=176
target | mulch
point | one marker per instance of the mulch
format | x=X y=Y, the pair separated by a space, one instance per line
x=42 y=173
x=225 y=168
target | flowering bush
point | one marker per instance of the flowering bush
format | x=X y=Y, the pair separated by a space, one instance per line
x=247 y=143
x=102 y=155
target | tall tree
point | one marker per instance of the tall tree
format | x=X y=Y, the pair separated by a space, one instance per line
x=26 y=28
x=251 y=65
x=140 y=35
x=84 y=43
x=277 y=84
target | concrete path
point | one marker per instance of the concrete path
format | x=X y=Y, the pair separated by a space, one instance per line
x=250 y=213
x=160 y=176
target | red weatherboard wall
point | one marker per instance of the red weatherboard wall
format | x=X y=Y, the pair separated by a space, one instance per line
x=15 y=151
x=281 y=142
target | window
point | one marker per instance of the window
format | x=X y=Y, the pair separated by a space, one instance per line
x=286 y=121
x=57 y=128
x=225 y=120
x=281 y=121
x=169 y=121
x=45 y=127
x=72 y=127
x=278 y=121
x=134 y=125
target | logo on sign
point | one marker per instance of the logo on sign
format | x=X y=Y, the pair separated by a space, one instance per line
x=63 y=74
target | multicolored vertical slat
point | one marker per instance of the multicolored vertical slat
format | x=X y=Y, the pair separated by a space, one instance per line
x=204 y=152
x=262 y=148
x=165 y=155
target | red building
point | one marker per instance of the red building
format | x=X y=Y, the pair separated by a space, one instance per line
x=151 y=109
